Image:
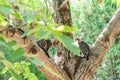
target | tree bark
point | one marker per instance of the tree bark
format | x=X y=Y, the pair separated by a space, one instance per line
x=54 y=72
x=78 y=68
x=74 y=68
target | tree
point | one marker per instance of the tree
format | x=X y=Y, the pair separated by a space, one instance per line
x=75 y=68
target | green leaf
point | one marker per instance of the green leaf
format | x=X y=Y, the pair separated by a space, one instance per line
x=117 y=1
x=11 y=1
x=68 y=43
x=17 y=15
x=26 y=33
x=9 y=65
x=5 y=10
x=29 y=17
x=4 y=70
x=5 y=48
x=18 y=52
x=65 y=29
x=2 y=43
x=15 y=75
x=32 y=77
x=4 y=2
x=2 y=56
x=35 y=29
x=42 y=34
x=12 y=43
x=12 y=69
x=36 y=61
x=2 y=39
x=3 y=22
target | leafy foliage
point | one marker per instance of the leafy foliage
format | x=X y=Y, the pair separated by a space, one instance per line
x=35 y=18
x=19 y=71
x=91 y=16
x=38 y=20
x=18 y=14
x=111 y=65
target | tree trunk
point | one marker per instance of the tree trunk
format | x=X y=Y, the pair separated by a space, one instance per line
x=78 y=68
x=74 y=68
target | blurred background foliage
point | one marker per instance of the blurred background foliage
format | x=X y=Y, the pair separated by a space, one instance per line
x=89 y=16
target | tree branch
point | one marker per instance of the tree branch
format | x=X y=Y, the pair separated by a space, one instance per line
x=74 y=68
x=100 y=48
x=32 y=47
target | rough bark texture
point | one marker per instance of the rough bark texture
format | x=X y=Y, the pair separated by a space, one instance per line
x=74 y=68
x=78 y=68
x=32 y=47
x=61 y=15
x=100 y=48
